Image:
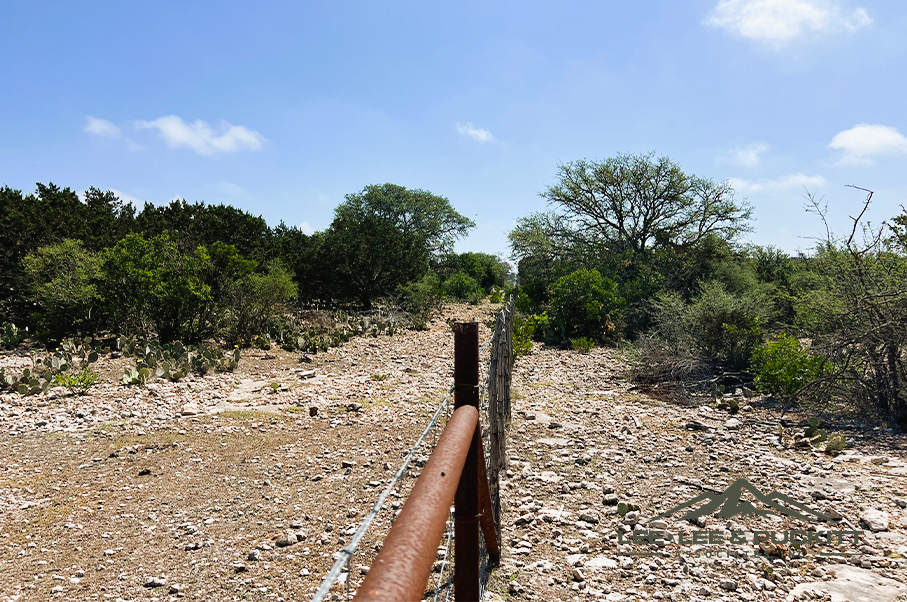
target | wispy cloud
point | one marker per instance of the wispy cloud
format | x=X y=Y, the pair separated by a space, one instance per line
x=306 y=228
x=230 y=188
x=777 y=22
x=135 y=201
x=202 y=138
x=746 y=156
x=783 y=184
x=863 y=142
x=101 y=127
x=477 y=134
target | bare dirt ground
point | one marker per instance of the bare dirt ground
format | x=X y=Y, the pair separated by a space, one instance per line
x=117 y=495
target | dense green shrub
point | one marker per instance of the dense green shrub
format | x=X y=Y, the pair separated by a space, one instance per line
x=523 y=303
x=254 y=301
x=461 y=287
x=421 y=299
x=77 y=383
x=582 y=344
x=149 y=286
x=487 y=270
x=727 y=326
x=62 y=280
x=784 y=367
x=584 y=304
x=715 y=325
x=525 y=329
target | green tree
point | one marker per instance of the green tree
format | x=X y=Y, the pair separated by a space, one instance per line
x=366 y=257
x=638 y=201
x=62 y=279
x=545 y=251
x=486 y=269
x=384 y=237
x=255 y=300
x=195 y=224
x=28 y=222
x=298 y=251
x=105 y=219
x=149 y=286
x=462 y=287
x=424 y=219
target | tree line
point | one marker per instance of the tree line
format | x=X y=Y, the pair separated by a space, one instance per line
x=193 y=271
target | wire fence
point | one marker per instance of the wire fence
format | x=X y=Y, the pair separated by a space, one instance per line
x=347 y=552
x=494 y=398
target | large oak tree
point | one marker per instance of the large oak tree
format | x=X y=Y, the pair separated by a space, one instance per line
x=635 y=202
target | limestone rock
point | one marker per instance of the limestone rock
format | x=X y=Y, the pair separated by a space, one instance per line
x=853 y=584
x=874 y=520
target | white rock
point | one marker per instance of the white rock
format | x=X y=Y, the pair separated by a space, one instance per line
x=600 y=562
x=854 y=584
x=155 y=581
x=190 y=409
x=874 y=520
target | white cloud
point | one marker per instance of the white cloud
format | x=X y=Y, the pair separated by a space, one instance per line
x=746 y=156
x=777 y=22
x=788 y=183
x=862 y=142
x=306 y=228
x=136 y=202
x=477 y=134
x=202 y=138
x=101 y=127
x=230 y=188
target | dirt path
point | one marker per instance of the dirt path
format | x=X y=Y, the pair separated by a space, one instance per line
x=117 y=495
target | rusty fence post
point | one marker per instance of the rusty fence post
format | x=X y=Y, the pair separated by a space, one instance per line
x=466 y=501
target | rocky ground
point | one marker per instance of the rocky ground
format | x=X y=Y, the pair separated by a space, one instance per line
x=583 y=442
x=194 y=489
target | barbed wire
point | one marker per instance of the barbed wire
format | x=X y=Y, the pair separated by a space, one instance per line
x=347 y=552
x=446 y=562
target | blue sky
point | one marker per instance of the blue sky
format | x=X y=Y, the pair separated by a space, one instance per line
x=281 y=108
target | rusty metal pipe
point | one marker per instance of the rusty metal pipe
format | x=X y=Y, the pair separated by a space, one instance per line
x=404 y=563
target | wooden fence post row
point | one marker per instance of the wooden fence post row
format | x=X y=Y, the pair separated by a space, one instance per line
x=499 y=404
